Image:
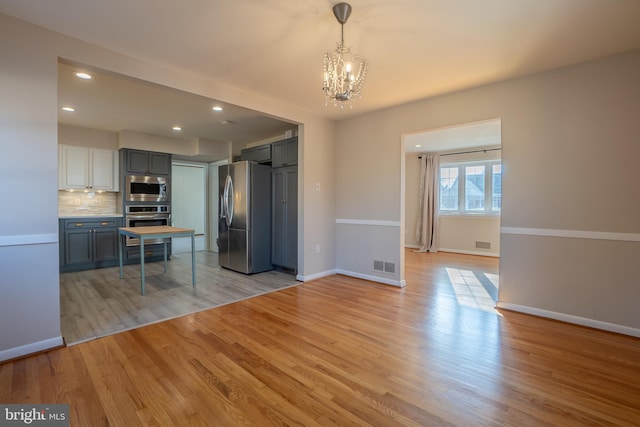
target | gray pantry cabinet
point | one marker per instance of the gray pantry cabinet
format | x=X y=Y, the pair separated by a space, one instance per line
x=140 y=162
x=284 y=239
x=88 y=242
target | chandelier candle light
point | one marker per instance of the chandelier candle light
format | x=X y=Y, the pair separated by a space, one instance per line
x=344 y=71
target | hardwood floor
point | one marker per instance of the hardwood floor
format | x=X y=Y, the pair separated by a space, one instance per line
x=343 y=351
x=95 y=303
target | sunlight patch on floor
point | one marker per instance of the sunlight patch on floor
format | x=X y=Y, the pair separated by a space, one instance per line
x=493 y=278
x=469 y=290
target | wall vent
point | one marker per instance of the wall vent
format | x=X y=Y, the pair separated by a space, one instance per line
x=378 y=265
x=483 y=245
x=389 y=267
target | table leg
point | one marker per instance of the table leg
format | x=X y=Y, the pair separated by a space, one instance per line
x=141 y=265
x=165 y=253
x=120 y=239
x=193 y=260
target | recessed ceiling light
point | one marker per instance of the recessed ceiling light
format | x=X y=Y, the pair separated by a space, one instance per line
x=69 y=109
x=84 y=76
x=217 y=108
x=177 y=128
x=418 y=145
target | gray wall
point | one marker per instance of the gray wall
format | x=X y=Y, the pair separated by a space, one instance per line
x=570 y=149
x=29 y=305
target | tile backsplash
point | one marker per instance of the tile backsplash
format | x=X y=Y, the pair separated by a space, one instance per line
x=78 y=203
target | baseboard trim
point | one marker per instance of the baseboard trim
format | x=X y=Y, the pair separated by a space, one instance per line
x=398 y=283
x=315 y=276
x=583 y=321
x=36 y=347
x=458 y=251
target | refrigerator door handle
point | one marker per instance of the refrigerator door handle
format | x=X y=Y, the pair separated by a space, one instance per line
x=222 y=212
x=230 y=202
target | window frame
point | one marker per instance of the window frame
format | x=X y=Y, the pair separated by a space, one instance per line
x=462 y=184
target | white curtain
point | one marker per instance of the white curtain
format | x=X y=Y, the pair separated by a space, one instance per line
x=427 y=227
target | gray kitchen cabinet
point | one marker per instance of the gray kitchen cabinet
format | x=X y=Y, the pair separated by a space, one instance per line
x=259 y=154
x=284 y=240
x=140 y=162
x=87 y=243
x=284 y=153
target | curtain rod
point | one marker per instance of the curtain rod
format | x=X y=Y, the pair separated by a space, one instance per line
x=467 y=152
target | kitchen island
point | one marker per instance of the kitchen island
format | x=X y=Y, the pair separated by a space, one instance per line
x=156 y=232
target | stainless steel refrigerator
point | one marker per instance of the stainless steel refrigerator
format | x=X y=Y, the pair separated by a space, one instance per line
x=244 y=223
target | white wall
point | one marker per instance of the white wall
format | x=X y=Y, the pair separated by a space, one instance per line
x=569 y=154
x=316 y=199
x=459 y=234
x=86 y=137
x=30 y=312
x=163 y=144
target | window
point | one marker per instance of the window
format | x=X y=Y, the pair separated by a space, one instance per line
x=496 y=183
x=449 y=189
x=471 y=188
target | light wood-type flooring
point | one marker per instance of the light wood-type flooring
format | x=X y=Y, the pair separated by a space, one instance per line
x=95 y=303
x=343 y=351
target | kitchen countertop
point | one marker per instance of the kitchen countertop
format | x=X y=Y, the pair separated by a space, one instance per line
x=90 y=215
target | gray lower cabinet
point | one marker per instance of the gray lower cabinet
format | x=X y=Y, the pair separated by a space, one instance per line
x=87 y=243
x=284 y=240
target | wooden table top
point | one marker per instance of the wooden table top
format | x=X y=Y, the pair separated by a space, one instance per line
x=156 y=229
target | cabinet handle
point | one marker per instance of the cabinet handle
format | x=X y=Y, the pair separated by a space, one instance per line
x=79 y=224
x=148 y=253
x=104 y=223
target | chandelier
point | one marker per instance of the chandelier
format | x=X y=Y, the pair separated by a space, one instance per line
x=344 y=71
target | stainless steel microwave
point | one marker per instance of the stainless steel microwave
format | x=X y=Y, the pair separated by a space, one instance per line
x=141 y=188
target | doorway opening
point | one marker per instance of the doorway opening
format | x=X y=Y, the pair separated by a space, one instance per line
x=466 y=196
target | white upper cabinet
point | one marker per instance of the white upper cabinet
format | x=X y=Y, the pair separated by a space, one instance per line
x=82 y=168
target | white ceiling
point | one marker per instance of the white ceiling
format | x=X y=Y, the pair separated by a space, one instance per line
x=469 y=135
x=415 y=48
x=113 y=102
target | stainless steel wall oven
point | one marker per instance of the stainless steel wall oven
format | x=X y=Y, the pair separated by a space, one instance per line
x=145 y=216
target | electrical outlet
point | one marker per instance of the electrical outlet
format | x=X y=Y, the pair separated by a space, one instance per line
x=317 y=248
